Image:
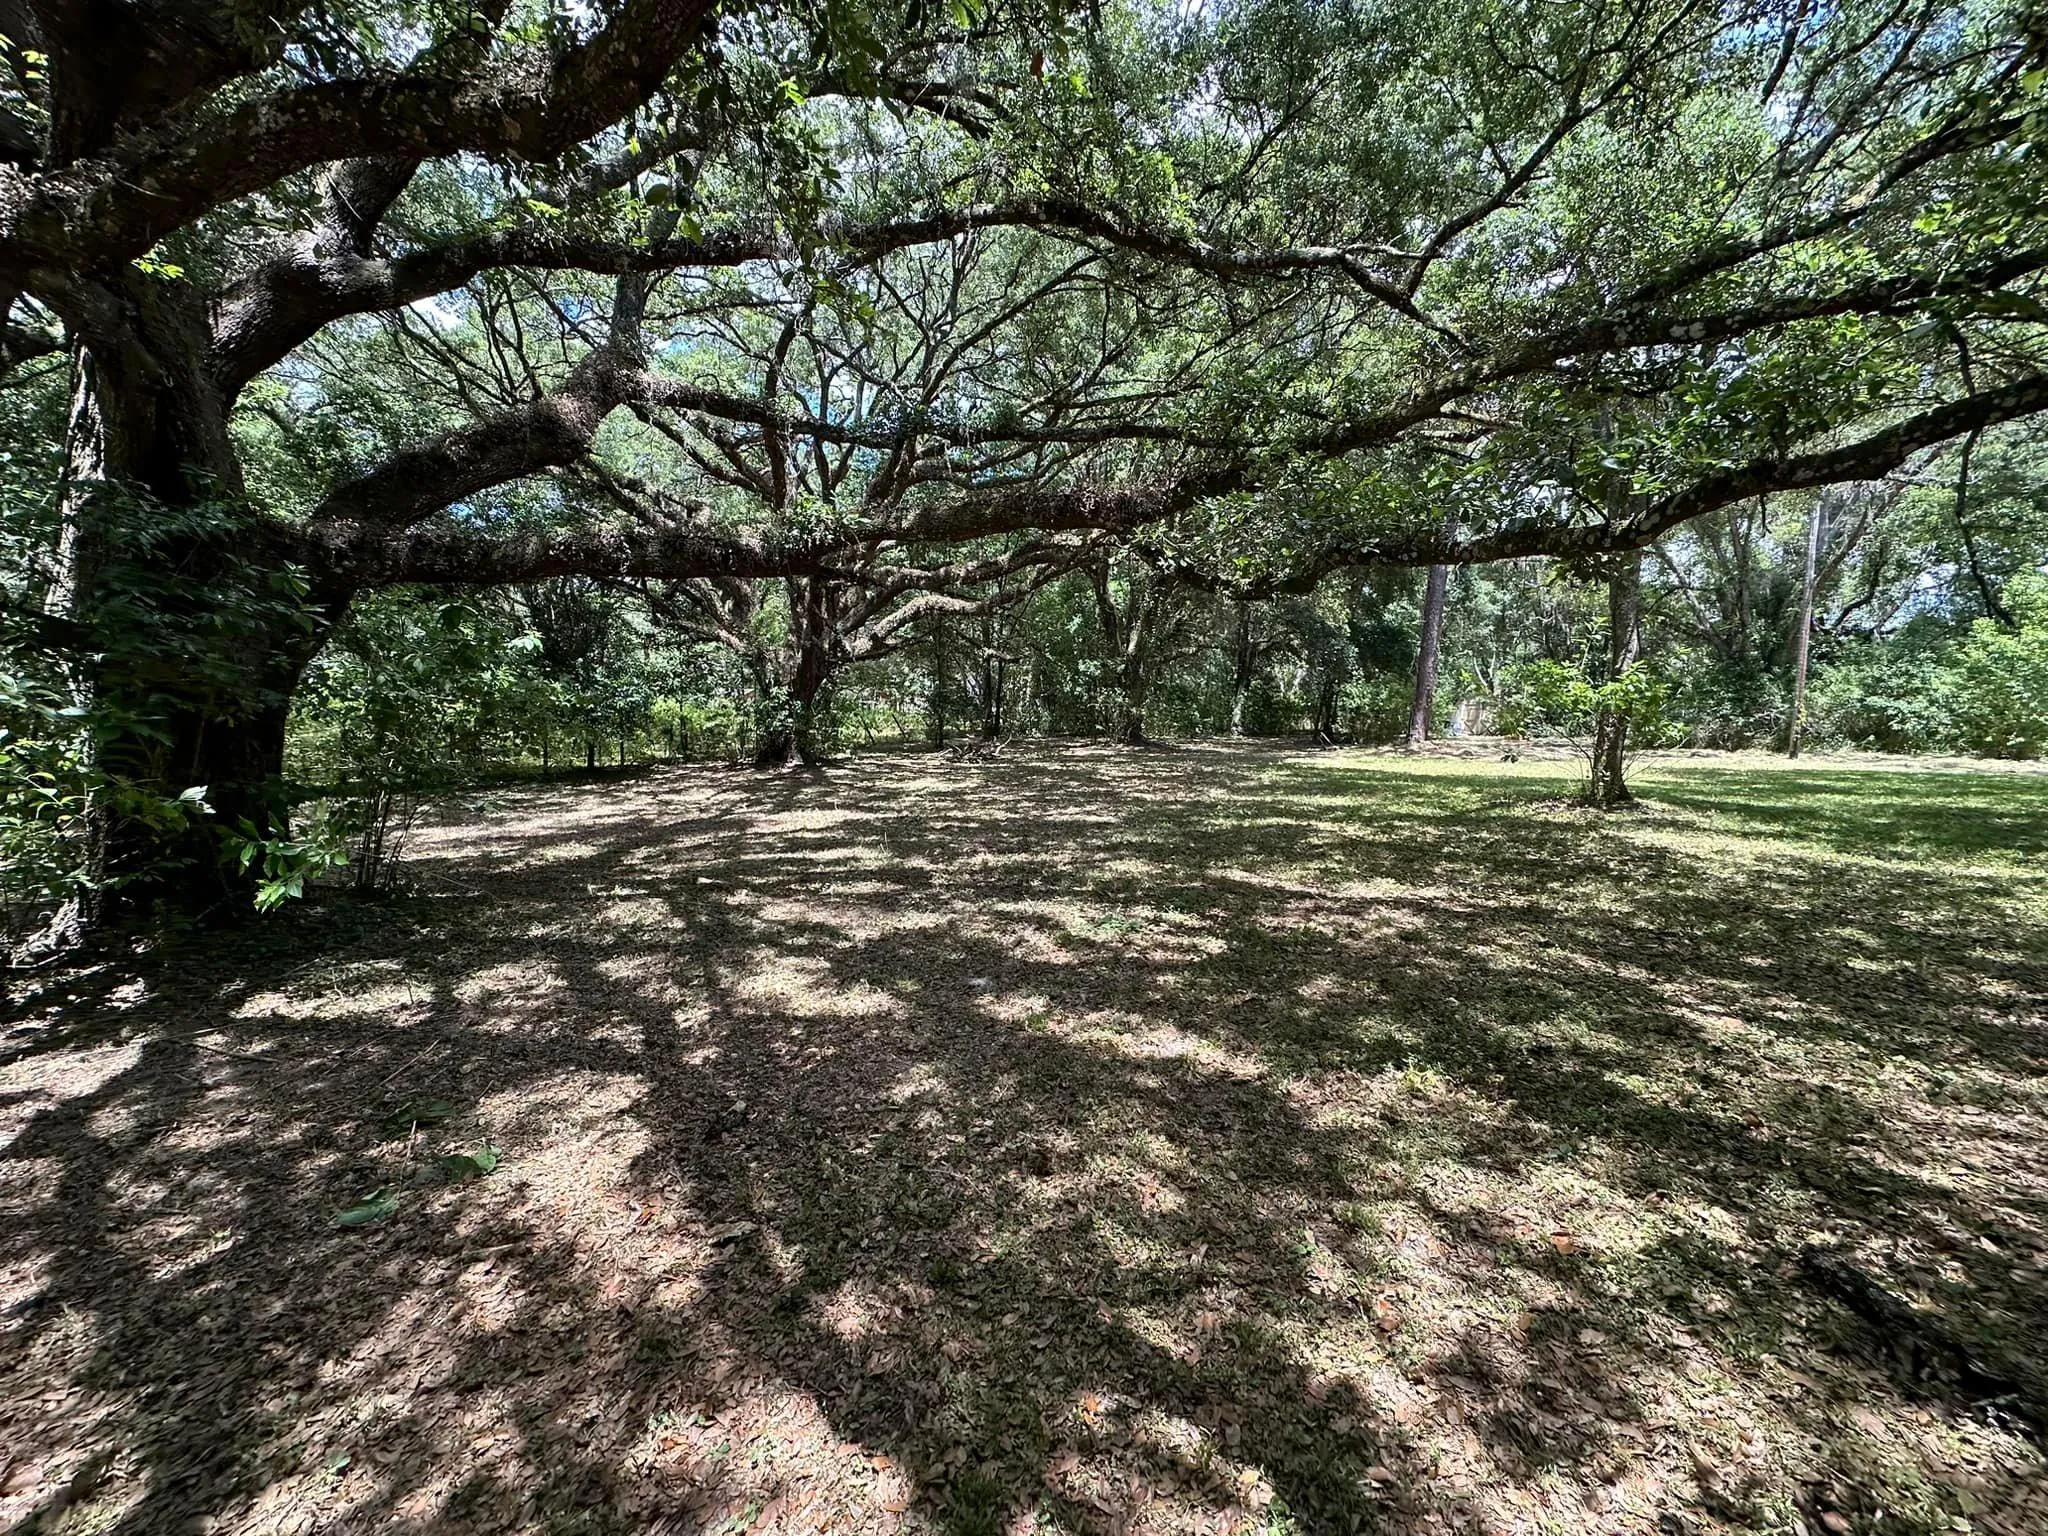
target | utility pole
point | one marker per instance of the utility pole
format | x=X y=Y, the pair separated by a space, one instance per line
x=1802 y=642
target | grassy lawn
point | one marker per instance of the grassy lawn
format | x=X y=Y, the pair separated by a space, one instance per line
x=1094 y=1141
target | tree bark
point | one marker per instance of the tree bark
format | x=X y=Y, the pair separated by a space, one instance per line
x=1323 y=722
x=152 y=498
x=995 y=671
x=1244 y=664
x=936 y=703
x=1128 y=635
x=789 y=735
x=1608 y=786
x=1133 y=686
x=1426 y=655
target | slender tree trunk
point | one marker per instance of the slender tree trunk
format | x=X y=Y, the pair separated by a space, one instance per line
x=991 y=697
x=1739 y=539
x=1426 y=655
x=938 y=694
x=1129 y=638
x=1244 y=663
x=1609 y=785
x=1324 y=723
x=1802 y=638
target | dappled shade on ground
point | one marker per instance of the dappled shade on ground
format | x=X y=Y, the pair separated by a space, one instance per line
x=1091 y=1141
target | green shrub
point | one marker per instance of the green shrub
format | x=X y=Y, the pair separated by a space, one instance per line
x=1986 y=693
x=1715 y=701
x=1997 y=683
x=1375 y=708
x=1884 y=696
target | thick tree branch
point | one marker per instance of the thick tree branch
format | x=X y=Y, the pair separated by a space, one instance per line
x=368 y=552
x=93 y=214
x=1866 y=458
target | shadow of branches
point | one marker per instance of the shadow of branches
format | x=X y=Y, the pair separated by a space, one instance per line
x=1095 y=1142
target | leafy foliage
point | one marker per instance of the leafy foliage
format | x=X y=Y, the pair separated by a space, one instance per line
x=92 y=797
x=2000 y=678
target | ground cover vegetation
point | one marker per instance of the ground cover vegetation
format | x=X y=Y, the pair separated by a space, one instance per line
x=1139 y=602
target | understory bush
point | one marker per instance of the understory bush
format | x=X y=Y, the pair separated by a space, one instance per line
x=1998 y=681
x=400 y=704
x=1881 y=697
x=1985 y=693
x=1550 y=701
x=1728 y=704
x=1374 y=708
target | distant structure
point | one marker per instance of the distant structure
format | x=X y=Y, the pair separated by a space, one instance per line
x=1470 y=717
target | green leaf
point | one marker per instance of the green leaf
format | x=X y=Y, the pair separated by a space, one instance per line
x=469 y=1165
x=417 y=1112
x=374 y=1209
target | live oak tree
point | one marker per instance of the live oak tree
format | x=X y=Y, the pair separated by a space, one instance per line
x=1143 y=615
x=195 y=194
x=1381 y=272
x=794 y=637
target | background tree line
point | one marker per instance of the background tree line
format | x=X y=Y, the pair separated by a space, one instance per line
x=1914 y=649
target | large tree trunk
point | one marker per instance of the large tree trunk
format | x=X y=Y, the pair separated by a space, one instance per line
x=1426 y=655
x=1130 y=724
x=1134 y=686
x=1608 y=785
x=156 y=545
x=790 y=734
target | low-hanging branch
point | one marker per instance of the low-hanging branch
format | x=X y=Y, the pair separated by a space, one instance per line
x=369 y=555
x=1866 y=458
